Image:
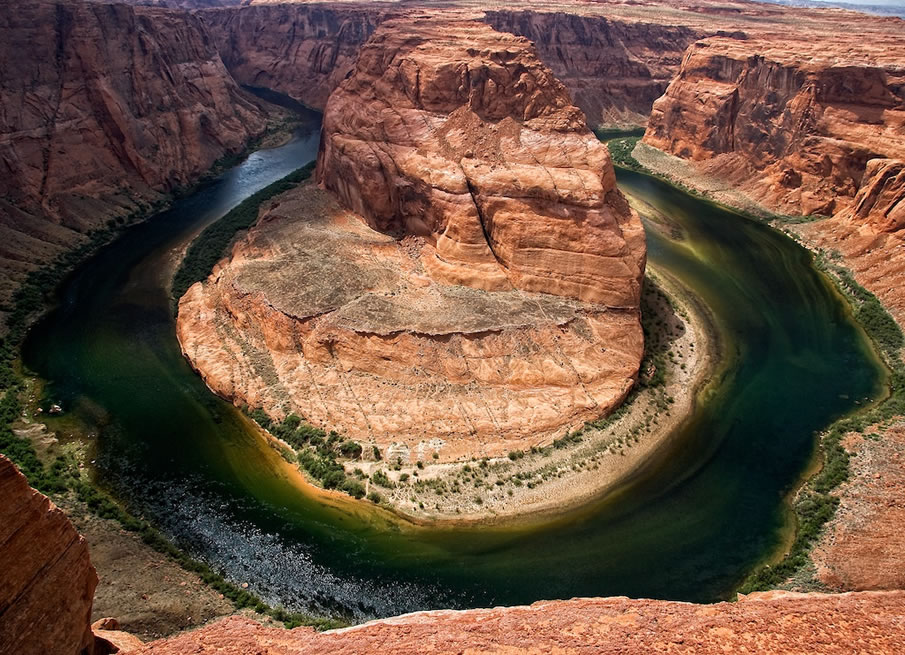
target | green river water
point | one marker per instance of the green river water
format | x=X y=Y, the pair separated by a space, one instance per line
x=690 y=525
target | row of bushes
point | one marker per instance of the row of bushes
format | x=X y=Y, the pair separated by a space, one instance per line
x=210 y=246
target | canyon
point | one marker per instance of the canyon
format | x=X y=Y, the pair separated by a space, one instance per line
x=485 y=297
x=109 y=108
x=475 y=264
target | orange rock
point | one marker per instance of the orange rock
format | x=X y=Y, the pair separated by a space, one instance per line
x=495 y=302
x=778 y=623
x=791 y=122
x=46 y=579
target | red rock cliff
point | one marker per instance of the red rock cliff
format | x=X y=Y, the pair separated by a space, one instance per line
x=105 y=107
x=791 y=123
x=301 y=50
x=46 y=578
x=614 y=69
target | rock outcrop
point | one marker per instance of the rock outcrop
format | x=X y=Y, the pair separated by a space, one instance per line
x=614 y=69
x=301 y=50
x=106 y=107
x=490 y=302
x=46 y=578
x=792 y=123
x=776 y=623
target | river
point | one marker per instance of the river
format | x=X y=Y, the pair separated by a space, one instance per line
x=689 y=526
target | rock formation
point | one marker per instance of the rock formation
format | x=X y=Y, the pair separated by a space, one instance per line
x=761 y=624
x=792 y=123
x=301 y=50
x=614 y=69
x=492 y=302
x=46 y=578
x=107 y=107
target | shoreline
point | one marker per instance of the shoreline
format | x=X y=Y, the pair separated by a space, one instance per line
x=682 y=175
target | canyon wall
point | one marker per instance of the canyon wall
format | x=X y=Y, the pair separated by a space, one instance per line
x=792 y=124
x=301 y=50
x=775 y=623
x=46 y=578
x=484 y=295
x=614 y=69
x=107 y=107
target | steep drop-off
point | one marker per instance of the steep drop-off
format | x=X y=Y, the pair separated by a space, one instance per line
x=613 y=69
x=791 y=123
x=490 y=301
x=107 y=107
x=46 y=578
x=301 y=50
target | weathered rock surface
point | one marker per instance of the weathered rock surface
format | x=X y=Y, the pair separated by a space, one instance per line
x=863 y=546
x=492 y=302
x=766 y=624
x=792 y=123
x=46 y=578
x=301 y=50
x=614 y=69
x=106 y=107
x=458 y=133
x=319 y=314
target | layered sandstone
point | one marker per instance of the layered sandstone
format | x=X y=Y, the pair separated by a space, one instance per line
x=46 y=578
x=106 y=107
x=485 y=295
x=301 y=50
x=763 y=624
x=614 y=69
x=791 y=123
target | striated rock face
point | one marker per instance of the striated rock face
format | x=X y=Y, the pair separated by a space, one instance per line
x=491 y=298
x=458 y=133
x=301 y=50
x=880 y=202
x=765 y=624
x=791 y=123
x=47 y=581
x=106 y=107
x=614 y=69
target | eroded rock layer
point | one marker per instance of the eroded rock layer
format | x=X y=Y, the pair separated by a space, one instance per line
x=792 y=123
x=614 y=69
x=301 y=50
x=763 y=624
x=317 y=313
x=46 y=578
x=106 y=107
x=458 y=133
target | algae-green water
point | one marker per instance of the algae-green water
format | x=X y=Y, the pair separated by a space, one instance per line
x=689 y=526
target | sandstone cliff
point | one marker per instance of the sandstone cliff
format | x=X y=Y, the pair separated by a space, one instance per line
x=47 y=578
x=492 y=302
x=106 y=107
x=614 y=69
x=791 y=123
x=301 y=50
x=762 y=624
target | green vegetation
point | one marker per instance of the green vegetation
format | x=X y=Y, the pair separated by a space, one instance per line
x=211 y=245
x=815 y=504
x=621 y=152
x=316 y=451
